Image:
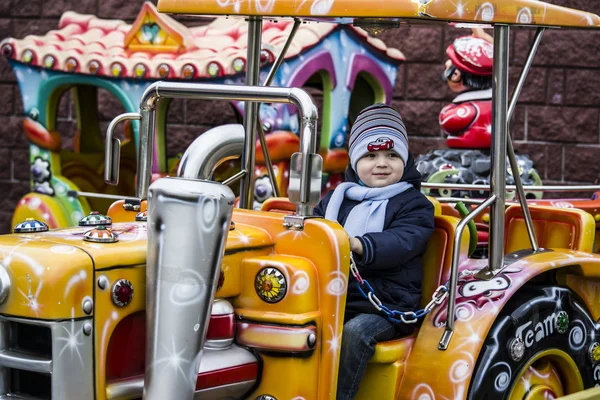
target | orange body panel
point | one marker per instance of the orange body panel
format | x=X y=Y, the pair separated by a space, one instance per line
x=522 y=12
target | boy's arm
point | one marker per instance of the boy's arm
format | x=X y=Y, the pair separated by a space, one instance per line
x=320 y=208
x=405 y=239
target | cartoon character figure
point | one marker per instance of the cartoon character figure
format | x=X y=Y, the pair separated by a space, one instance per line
x=475 y=293
x=382 y=143
x=468 y=120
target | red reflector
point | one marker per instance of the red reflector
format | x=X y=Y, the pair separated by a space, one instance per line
x=226 y=376
x=221 y=327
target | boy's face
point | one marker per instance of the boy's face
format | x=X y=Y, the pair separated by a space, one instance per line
x=380 y=168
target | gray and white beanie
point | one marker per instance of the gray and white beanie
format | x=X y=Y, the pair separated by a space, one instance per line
x=377 y=127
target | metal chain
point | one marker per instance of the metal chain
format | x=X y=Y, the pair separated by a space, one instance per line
x=408 y=317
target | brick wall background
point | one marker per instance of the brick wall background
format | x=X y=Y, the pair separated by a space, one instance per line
x=557 y=121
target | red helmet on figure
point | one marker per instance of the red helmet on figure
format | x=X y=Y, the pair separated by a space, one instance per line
x=472 y=54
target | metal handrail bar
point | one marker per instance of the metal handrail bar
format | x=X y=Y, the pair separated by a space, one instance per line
x=268 y=81
x=112 y=153
x=75 y=193
x=512 y=188
x=509 y=144
x=234 y=178
x=447 y=335
x=498 y=148
x=298 y=97
x=283 y=52
x=251 y=114
x=479 y=201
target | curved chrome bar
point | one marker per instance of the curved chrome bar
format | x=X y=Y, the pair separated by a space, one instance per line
x=461 y=186
x=509 y=145
x=447 y=335
x=299 y=98
x=251 y=114
x=210 y=149
x=112 y=156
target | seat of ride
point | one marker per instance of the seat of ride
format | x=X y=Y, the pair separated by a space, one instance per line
x=559 y=228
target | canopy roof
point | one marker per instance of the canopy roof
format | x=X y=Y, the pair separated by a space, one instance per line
x=513 y=12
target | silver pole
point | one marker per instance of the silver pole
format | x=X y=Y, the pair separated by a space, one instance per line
x=299 y=98
x=74 y=193
x=499 y=133
x=251 y=112
x=112 y=155
x=261 y=133
x=447 y=335
x=534 y=47
x=510 y=188
x=145 y=152
x=283 y=52
x=234 y=178
x=511 y=151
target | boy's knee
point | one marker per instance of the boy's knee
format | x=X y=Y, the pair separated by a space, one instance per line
x=354 y=332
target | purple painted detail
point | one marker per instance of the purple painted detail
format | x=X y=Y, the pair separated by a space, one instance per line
x=363 y=63
x=320 y=61
x=477 y=298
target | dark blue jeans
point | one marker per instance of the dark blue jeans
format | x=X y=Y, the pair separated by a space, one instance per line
x=359 y=337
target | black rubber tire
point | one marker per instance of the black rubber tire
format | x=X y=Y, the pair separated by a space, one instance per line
x=530 y=313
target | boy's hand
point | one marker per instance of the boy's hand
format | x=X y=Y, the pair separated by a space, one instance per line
x=356 y=246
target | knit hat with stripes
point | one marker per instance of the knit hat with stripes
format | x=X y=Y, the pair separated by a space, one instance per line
x=377 y=127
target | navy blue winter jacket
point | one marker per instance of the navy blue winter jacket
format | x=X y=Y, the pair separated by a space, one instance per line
x=392 y=259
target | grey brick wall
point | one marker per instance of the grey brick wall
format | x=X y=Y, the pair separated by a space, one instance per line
x=557 y=121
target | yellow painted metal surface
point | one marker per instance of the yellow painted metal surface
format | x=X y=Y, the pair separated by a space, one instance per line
x=549 y=374
x=516 y=12
x=587 y=289
x=129 y=250
x=563 y=228
x=108 y=315
x=590 y=394
x=314 y=262
x=454 y=367
x=317 y=281
x=49 y=280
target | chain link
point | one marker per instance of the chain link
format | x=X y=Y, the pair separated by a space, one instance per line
x=408 y=317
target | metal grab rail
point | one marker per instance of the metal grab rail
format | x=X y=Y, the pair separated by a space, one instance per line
x=511 y=188
x=112 y=156
x=268 y=81
x=299 y=98
x=447 y=335
x=509 y=144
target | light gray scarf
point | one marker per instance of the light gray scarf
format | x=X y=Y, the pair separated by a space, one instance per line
x=369 y=214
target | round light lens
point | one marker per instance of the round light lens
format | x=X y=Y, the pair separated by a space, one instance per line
x=270 y=285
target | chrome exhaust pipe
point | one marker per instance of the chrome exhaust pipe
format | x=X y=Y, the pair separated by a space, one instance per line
x=211 y=149
x=188 y=223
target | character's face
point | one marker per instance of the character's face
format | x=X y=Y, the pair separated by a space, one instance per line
x=453 y=78
x=262 y=191
x=380 y=168
x=477 y=288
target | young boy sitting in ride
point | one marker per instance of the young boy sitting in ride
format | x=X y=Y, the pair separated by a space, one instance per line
x=388 y=222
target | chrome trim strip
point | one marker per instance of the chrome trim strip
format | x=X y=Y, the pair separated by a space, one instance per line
x=280 y=338
x=125 y=388
x=25 y=361
x=225 y=392
x=212 y=360
x=511 y=188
